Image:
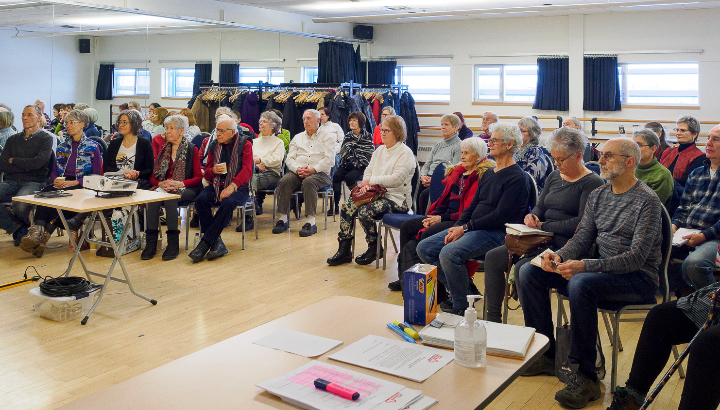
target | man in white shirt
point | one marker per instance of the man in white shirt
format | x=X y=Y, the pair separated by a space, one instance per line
x=309 y=160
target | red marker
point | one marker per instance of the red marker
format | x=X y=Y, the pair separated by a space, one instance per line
x=337 y=389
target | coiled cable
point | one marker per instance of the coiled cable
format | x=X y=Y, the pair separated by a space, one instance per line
x=64 y=286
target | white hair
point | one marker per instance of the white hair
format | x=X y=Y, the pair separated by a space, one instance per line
x=316 y=113
x=476 y=144
x=508 y=132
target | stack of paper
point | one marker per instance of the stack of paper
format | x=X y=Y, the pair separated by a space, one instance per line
x=297 y=387
x=502 y=340
x=522 y=229
x=678 y=237
x=299 y=343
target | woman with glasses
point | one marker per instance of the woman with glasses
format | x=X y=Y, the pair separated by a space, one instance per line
x=559 y=210
x=76 y=157
x=392 y=166
x=532 y=157
x=682 y=160
x=128 y=153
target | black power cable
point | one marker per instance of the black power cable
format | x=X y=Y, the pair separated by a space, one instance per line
x=67 y=286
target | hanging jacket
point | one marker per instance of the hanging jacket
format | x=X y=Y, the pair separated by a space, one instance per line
x=251 y=111
x=291 y=121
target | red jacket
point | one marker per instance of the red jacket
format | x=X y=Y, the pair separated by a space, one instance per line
x=195 y=181
x=686 y=157
x=243 y=176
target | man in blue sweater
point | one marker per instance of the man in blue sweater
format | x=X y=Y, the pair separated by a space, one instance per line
x=24 y=162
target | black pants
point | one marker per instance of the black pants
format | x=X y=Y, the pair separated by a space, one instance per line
x=211 y=226
x=410 y=228
x=423 y=198
x=496 y=263
x=665 y=326
x=350 y=175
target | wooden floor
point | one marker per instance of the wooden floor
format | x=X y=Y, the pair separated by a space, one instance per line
x=44 y=364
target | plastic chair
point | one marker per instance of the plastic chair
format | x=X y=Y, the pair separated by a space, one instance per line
x=616 y=310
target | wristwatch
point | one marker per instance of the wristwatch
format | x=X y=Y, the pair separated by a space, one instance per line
x=465 y=228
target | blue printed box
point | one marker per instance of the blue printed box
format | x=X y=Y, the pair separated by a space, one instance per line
x=420 y=294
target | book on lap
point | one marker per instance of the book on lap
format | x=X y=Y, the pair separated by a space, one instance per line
x=522 y=230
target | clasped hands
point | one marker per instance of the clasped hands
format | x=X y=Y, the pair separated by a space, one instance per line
x=565 y=269
x=169 y=184
x=431 y=220
x=65 y=184
x=425 y=180
x=131 y=174
x=304 y=172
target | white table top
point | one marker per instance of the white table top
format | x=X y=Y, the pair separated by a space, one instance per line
x=223 y=376
x=85 y=200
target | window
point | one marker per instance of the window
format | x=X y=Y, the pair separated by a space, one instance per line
x=178 y=82
x=309 y=74
x=659 y=83
x=266 y=75
x=425 y=83
x=131 y=81
x=506 y=83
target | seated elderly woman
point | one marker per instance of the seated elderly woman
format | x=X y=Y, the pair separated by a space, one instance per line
x=446 y=152
x=129 y=153
x=501 y=197
x=685 y=158
x=268 y=155
x=177 y=171
x=159 y=140
x=559 y=210
x=460 y=186
x=90 y=129
x=76 y=157
x=649 y=170
x=228 y=172
x=392 y=166
x=355 y=153
x=532 y=157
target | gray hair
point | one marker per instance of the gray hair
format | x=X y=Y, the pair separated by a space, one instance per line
x=508 y=132
x=389 y=109
x=692 y=123
x=273 y=119
x=178 y=121
x=649 y=137
x=476 y=144
x=657 y=128
x=232 y=121
x=35 y=107
x=135 y=105
x=533 y=127
x=225 y=110
x=92 y=114
x=81 y=106
x=492 y=114
x=134 y=118
x=577 y=123
x=630 y=149
x=78 y=115
x=567 y=140
x=452 y=118
x=316 y=113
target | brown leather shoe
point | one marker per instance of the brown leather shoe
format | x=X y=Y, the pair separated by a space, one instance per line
x=40 y=249
x=33 y=238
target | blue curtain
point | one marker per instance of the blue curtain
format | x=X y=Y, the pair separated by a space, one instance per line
x=601 y=84
x=379 y=72
x=553 y=84
x=203 y=74
x=338 y=63
x=104 y=87
x=229 y=73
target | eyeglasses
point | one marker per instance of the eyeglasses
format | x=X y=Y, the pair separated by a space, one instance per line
x=224 y=129
x=644 y=145
x=560 y=161
x=71 y=123
x=496 y=140
x=123 y=123
x=384 y=130
x=609 y=155
x=680 y=130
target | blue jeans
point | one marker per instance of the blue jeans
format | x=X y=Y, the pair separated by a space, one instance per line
x=20 y=215
x=450 y=259
x=586 y=292
x=697 y=269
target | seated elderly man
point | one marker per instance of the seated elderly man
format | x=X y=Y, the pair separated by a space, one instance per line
x=501 y=197
x=650 y=171
x=24 y=160
x=591 y=153
x=228 y=171
x=489 y=118
x=446 y=152
x=309 y=161
x=623 y=218
x=699 y=209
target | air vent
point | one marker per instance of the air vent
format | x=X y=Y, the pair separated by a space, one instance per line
x=425 y=148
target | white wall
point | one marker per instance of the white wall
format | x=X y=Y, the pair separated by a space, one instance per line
x=46 y=68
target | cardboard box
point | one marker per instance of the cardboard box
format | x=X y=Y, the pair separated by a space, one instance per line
x=420 y=294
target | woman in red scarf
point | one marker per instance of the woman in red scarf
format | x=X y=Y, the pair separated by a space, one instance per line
x=460 y=184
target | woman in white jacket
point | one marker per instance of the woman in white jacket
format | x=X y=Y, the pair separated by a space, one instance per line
x=392 y=166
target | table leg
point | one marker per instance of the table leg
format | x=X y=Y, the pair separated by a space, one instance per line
x=76 y=246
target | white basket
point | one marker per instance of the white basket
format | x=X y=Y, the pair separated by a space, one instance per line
x=61 y=309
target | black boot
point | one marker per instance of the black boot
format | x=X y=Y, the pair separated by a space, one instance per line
x=199 y=252
x=343 y=255
x=217 y=250
x=370 y=255
x=151 y=239
x=173 y=245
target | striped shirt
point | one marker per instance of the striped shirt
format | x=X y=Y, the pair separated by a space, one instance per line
x=696 y=306
x=626 y=228
x=700 y=203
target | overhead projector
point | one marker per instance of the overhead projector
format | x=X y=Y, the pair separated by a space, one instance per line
x=110 y=185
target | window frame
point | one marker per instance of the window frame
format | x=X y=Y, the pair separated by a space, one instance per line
x=503 y=97
x=135 y=84
x=166 y=87
x=268 y=73
x=415 y=94
x=623 y=73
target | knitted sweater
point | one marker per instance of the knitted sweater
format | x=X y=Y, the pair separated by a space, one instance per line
x=658 y=178
x=393 y=168
x=444 y=152
x=271 y=151
x=30 y=156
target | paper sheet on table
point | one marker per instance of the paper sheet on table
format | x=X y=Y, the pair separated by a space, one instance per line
x=396 y=357
x=298 y=343
x=297 y=387
x=678 y=237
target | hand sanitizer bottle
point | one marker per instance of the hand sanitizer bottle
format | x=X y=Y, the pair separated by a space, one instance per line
x=471 y=338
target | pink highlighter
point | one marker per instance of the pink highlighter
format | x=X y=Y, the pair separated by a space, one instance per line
x=336 y=389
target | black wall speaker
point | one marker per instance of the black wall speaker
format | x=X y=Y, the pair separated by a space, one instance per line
x=361 y=32
x=84 y=44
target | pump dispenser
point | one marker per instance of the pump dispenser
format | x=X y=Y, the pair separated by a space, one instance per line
x=471 y=338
